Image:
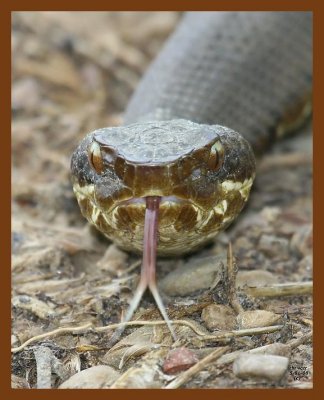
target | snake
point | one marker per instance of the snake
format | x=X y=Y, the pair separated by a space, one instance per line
x=179 y=170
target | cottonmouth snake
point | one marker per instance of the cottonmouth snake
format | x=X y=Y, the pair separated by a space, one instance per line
x=178 y=163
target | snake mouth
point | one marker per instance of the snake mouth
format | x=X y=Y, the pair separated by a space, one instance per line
x=164 y=201
x=174 y=213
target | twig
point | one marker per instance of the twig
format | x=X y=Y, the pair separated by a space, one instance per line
x=231 y=276
x=281 y=289
x=131 y=268
x=301 y=340
x=58 y=331
x=306 y=321
x=187 y=375
x=241 y=332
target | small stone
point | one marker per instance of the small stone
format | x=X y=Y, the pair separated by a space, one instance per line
x=143 y=375
x=306 y=266
x=273 y=246
x=270 y=214
x=260 y=367
x=18 y=382
x=97 y=377
x=113 y=260
x=218 y=316
x=35 y=306
x=17 y=240
x=275 y=349
x=25 y=89
x=192 y=276
x=302 y=241
x=242 y=242
x=179 y=360
x=255 y=278
x=290 y=221
x=14 y=340
x=257 y=319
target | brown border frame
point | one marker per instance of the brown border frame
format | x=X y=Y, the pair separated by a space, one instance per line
x=5 y=160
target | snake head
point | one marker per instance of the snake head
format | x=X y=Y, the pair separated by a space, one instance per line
x=203 y=174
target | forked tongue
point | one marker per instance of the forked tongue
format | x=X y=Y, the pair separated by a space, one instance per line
x=148 y=269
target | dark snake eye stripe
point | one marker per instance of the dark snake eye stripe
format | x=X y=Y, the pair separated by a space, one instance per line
x=178 y=168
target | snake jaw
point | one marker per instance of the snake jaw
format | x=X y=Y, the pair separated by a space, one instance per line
x=148 y=268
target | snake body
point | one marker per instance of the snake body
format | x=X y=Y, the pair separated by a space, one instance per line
x=219 y=73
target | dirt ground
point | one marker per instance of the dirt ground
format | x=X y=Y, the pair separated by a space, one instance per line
x=74 y=72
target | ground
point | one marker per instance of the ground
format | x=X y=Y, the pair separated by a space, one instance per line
x=72 y=73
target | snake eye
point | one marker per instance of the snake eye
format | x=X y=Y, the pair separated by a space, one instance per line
x=216 y=156
x=95 y=158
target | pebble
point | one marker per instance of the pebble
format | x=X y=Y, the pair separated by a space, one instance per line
x=306 y=266
x=23 y=89
x=270 y=214
x=35 y=306
x=218 y=316
x=275 y=349
x=193 y=276
x=302 y=241
x=179 y=360
x=256 y=319
x=17 y=240
x=18 y=382
x=290 y=221
x=143 y=375
x=274 y=246
x=113 y=260
x=255 y=278
x=97 y=377
x=260 y=367
x=14 y=340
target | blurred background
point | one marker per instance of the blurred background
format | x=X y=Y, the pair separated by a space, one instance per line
x=72 y=72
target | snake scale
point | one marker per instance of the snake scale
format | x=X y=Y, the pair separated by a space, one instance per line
x=178 y=172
